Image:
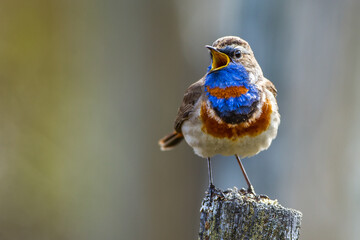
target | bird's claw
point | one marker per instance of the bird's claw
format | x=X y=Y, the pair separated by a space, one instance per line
x=251 y=190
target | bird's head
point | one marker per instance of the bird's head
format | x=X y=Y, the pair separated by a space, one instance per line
x=231 y=50
x=230 y=83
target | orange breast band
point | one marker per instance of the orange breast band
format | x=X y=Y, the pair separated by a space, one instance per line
x=228 y=92
x=233 y=132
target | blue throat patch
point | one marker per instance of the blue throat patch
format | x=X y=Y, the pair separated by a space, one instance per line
x=233 y=109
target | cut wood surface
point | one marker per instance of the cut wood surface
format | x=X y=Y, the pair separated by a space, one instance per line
x=236 y=214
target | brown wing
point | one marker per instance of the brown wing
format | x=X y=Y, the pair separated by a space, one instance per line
x=192 y=95
x=270 y=86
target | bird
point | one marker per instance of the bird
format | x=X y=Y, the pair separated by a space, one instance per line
x=231 y=111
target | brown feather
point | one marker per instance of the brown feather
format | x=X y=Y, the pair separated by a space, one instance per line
x=269 y=86
x=192 y=95
x=170 y=141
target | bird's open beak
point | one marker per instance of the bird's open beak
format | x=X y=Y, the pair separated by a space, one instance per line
x=219 y=59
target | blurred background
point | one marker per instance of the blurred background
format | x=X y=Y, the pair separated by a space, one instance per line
x=88 y=87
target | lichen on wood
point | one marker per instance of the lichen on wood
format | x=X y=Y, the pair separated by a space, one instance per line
x=236 y=214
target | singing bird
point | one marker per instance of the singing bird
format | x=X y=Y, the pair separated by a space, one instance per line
x=232 y=110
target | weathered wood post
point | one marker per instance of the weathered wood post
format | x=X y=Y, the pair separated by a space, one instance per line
x=235 y=214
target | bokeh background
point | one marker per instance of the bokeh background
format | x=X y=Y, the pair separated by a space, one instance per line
x=88 y=87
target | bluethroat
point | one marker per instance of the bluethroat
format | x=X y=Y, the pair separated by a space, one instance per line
x=232 y=110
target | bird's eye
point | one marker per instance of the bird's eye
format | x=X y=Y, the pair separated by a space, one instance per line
x=237 y=54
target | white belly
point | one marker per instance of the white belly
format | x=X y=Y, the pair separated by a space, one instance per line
x=206 y=145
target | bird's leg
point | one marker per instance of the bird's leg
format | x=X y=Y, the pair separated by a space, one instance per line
x=211 y=185
x=250 y=187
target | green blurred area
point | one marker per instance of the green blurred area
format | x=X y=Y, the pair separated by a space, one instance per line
x=51 y=130
x=73 y=131
x=88 y=87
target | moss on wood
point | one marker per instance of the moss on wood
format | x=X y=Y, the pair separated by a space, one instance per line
x=235 y=214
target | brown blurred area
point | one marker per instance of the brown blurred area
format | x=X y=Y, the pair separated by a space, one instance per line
x=88 y=87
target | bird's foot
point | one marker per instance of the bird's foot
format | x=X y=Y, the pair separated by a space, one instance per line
x=211 y=190
x=251 y=190
x=214 y=192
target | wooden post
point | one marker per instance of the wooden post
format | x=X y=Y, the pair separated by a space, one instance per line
x=234 y=214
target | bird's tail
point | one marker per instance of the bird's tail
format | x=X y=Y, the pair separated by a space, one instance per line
x=170 y=141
